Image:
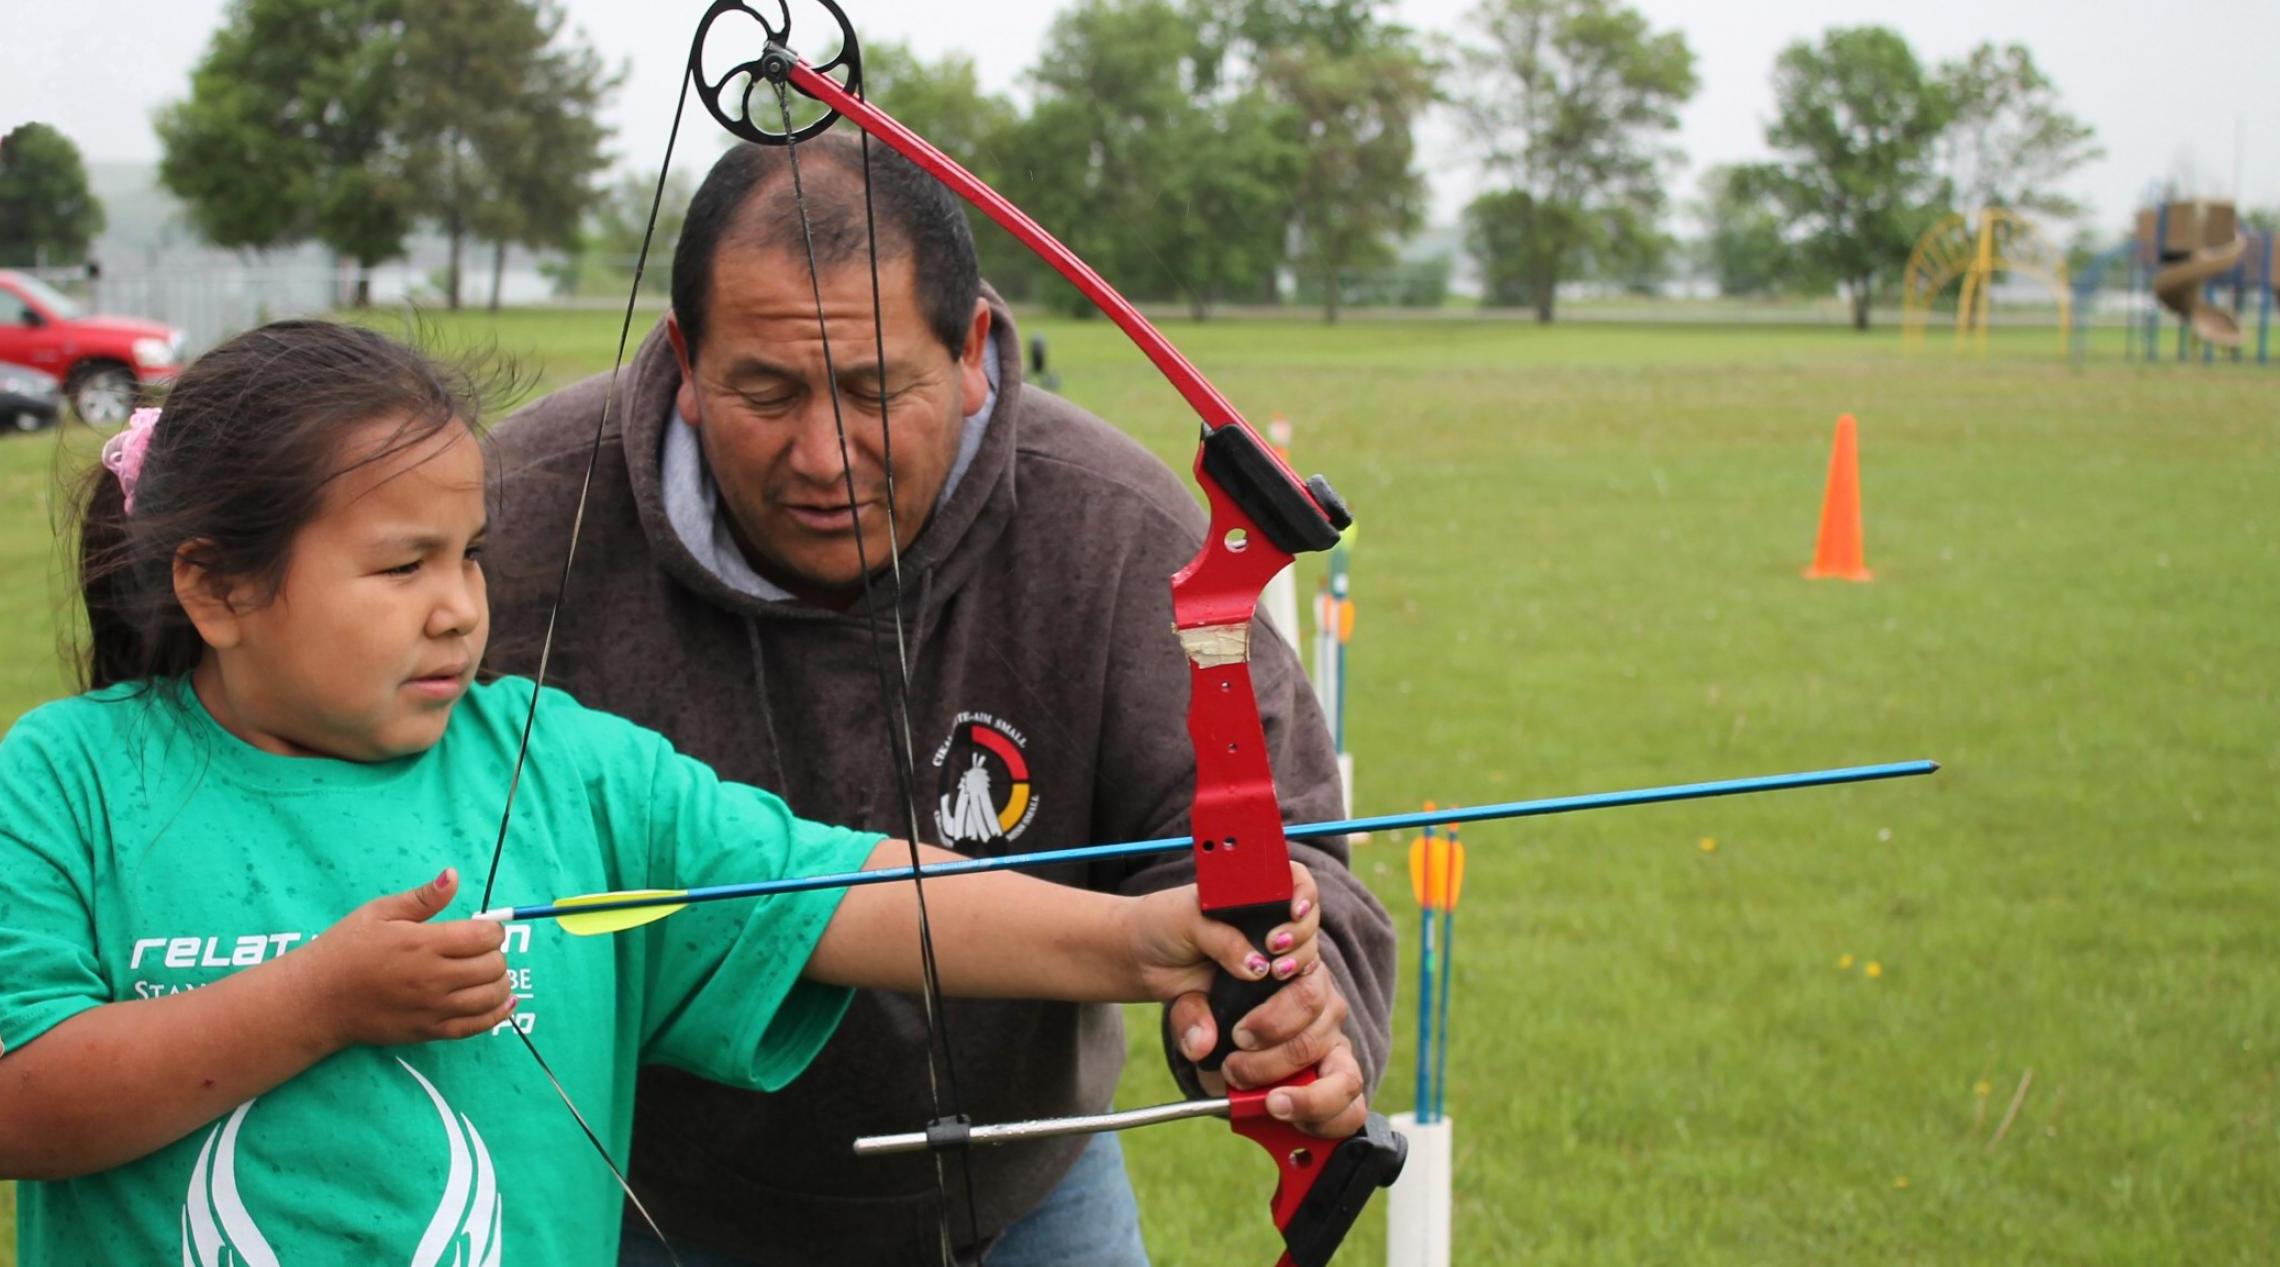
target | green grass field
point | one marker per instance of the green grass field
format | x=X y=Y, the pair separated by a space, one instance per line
x=1579 y=570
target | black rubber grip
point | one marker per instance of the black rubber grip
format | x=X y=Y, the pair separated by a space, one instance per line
x=1232 y=998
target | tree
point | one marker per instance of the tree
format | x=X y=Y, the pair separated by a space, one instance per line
x=1633 y=252
x=1110 y=97
x=1857 y=119
x=501 y=121
x=1232 y=33
x=1742 y=245
x=288 y=132
x=2010 y=143
x=1570 y=102
x=1356 y=188
x=1223 y=213
x=1333 y=169
x=600 y=261
x=541 y=158
x=943 y=101
x=47 y=213
x=1170 y=186
x=1504 y=233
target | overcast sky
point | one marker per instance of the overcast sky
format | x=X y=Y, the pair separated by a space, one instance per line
x=2179 y=90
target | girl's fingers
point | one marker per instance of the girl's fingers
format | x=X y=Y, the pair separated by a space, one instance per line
x=460 y=974
x=1293 y=944
x=1226 y=946
x=1305 y=898
x=478 y=1000
x=469 y=1026
x=469 y=938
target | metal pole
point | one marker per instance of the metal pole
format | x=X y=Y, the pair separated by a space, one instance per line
x=1047 y=1128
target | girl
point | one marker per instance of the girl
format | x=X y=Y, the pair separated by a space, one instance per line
x=203 y=1059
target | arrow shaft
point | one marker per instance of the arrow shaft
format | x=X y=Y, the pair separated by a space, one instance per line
x=1306 y=831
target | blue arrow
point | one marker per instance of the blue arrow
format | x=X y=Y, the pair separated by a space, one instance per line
x=601 y=902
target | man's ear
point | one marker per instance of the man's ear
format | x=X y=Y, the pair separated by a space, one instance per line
x=214 y=606
x=974 y=377
x=685 y=398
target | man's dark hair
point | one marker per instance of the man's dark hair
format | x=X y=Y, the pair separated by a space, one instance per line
x=746 y=201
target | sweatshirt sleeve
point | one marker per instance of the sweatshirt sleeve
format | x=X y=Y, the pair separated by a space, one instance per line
x=1147 y=775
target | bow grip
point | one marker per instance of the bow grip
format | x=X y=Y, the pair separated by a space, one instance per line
x=1232 y=998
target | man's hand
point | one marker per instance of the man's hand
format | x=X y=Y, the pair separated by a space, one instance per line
x=1302 y=1025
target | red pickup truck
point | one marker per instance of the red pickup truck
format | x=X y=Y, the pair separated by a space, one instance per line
x=106 y=363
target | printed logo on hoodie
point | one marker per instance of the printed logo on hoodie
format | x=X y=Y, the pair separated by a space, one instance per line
x=982 y=785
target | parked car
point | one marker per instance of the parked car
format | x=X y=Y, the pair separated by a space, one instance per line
x=29 y=399
x=105 y=363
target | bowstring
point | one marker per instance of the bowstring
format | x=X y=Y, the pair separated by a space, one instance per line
x=901 y=757
x=546 y=653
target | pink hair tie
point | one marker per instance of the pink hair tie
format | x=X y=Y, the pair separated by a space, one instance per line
x=123 y=453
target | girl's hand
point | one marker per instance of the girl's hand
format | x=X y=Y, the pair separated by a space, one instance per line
x=1177 y=948
x=383 y=975
x=1301 y=1026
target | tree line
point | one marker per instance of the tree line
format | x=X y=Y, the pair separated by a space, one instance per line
x=1201 y=152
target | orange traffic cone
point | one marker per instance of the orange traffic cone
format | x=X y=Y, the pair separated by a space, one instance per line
x=1838 y=554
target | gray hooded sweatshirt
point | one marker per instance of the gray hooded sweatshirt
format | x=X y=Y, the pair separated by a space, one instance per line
x=1048 y=705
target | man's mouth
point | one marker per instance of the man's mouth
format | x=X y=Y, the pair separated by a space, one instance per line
x=826 y=519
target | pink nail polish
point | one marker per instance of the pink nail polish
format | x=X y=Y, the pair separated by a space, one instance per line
x=1280 y=941
x=1257 y=964
x=1299 y=911
x=1284 y=967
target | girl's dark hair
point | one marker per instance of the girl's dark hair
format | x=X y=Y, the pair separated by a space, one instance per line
x=250 y=436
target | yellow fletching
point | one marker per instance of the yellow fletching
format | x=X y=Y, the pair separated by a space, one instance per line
x=1417 y=870
x=597 y=923
x=1456 y=874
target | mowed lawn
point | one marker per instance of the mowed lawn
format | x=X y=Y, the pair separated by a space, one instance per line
x=1578 y=570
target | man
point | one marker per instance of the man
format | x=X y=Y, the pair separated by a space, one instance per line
x=719 y=597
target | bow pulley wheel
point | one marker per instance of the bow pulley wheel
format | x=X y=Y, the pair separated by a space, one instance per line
x=728 y=94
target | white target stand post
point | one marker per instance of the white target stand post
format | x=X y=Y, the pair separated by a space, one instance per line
x=1417 y=1210
x=1417 y=1227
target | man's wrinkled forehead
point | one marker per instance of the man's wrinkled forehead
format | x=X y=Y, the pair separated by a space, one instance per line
x=768 y=293
x=823 y=216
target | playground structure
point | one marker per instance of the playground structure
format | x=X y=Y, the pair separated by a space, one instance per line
x=1977 y=249
x=2193 y=261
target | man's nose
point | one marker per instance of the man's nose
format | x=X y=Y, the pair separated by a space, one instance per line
x=816 y=455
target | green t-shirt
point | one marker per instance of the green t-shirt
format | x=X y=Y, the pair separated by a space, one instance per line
x=145 y=851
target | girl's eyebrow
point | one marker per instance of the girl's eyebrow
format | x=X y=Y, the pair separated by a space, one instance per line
x=422 y=542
